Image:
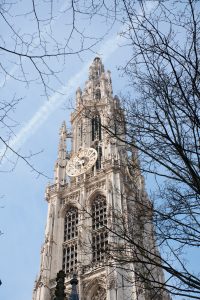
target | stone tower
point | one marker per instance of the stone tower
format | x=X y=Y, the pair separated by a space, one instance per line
x=95 y=203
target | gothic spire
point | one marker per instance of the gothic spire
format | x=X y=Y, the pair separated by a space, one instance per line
x=98 y=86
x=62 y=142
x=96 y=69
x=61 y=162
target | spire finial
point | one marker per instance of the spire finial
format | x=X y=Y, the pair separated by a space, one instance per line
x=62 y=142
x=96 y=69
x=59 y=171
x=63 y=130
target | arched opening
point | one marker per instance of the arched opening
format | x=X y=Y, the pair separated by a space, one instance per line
x=97 y=95
x=80 y=134
x=70 y=240
x=99 y=157
x=70 y=224
x=96 y=128
x=99 y=228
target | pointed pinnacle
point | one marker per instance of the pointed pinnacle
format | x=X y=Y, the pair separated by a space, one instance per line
x=63 y=129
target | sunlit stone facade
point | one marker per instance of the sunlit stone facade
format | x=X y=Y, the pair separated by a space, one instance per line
x=87 y=214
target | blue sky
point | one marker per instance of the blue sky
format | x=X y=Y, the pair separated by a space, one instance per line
x=23 y=208
x=22 y=205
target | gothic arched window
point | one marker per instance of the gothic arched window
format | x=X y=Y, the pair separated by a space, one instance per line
x=70 y=258
x=96 y=128
x=80 y=134
x=71 y=222
x=70 y=240
x=97 y=95
x=99 y=230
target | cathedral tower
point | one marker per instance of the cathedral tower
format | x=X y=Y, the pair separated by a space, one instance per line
x=94 y=202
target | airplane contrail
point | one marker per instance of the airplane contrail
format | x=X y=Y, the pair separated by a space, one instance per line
x=55 y=101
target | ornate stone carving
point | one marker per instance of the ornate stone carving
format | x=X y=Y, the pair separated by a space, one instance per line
x=98 y=185
x=110 y=186
x=78 y=242
x=111 y=282
x=72 y=197
x=99 y=294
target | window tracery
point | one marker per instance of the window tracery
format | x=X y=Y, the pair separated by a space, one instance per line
x=70 y=258
x=80 y=134
x=70 y=224
x=96 y=128
x=97 y=95
x=70 y=240
x=99 y=214
x=99 y=230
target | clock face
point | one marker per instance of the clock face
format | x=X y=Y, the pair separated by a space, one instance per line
x=81 y=162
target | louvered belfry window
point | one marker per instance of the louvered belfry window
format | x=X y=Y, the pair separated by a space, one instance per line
x=97 y=95
x=99 y=157
x=99 y=228
x=96 y=128
x=70 y=240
